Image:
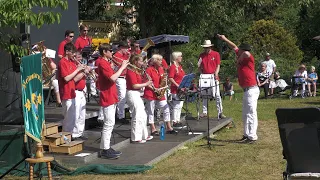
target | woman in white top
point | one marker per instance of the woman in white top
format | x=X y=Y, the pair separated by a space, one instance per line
x=300 y=77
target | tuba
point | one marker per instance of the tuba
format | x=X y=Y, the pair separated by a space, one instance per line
x=47 y=72
x=146 y=47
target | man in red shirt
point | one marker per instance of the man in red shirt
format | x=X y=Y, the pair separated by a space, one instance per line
x=83 y=40
x=209 y=63
x=80 y=101
x=68 y=38
x=156 y=73
x=121 y=55
x=108 y=98
x=247 y=81
x=135 y=48
x=68 y=71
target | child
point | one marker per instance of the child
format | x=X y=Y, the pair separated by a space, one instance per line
x=312 y=80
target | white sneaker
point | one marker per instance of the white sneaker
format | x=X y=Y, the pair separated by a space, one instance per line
x=139 y=142
x=149 y=138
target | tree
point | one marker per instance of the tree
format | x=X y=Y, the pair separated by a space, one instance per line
x=14 y=12
x=268 y=36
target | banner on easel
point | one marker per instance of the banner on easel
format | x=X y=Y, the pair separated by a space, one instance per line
x=32 y=95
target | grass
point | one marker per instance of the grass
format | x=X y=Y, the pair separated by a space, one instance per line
x=226 y=160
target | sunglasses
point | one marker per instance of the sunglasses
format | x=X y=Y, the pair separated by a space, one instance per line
x=85 y=30
x=71 y=36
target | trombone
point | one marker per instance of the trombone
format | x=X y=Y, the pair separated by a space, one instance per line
x=130 y=66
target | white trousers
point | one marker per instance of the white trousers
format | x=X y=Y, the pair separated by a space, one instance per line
x=80 y=102
x=218 y=100
x=163 y=105
x=122 y=89
x=249 y=112
x=139 y=129
x=176 y=108
x=55 y=85
x=108 y=123
x=68 y=111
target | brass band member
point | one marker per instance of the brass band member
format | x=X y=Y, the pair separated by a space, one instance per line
x=67 y=77
x=156 y=72
x=80 y=102
x=119 y=56
x=139 y=131
x=108 y=98
x=176 y=74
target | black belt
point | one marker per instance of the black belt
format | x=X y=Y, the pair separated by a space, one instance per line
x=247 y=88
x=122 y=77
x=79 y=90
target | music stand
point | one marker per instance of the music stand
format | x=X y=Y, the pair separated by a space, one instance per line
x=207 y=84
x=187 y=83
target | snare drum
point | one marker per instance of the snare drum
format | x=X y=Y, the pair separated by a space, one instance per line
x=207 y=86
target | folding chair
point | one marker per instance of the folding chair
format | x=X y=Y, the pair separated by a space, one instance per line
x=300 y=138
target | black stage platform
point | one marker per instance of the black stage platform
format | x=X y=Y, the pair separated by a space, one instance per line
x=132 y=154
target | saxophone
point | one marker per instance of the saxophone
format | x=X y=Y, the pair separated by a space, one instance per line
x=163 y=86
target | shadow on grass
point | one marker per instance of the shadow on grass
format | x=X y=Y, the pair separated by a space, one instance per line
x=312 y=103
x=234 y=141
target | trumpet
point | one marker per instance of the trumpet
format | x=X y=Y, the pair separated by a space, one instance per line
x=91 y=73
x=130 y=66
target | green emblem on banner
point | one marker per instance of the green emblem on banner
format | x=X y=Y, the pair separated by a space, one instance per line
x=32 y=95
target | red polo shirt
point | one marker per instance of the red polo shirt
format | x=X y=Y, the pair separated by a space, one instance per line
x=61 y=47
x=82 y=42
x=119 y=57
x=81 y=84
x=177 y=74
x=246 y=71
x=66 y=89
x=132 y=79
x=97 y=62
x=155 y=75
x=209 y=62
x=108 y=89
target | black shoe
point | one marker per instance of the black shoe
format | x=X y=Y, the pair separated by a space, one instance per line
x=59 y=104
x=243 y=139
x=178 y=125
x=83 y=138
x=221 y=116
x=172 y=131
x=108 y=154
x=124 y=121
x=155 y=133
x=249 y=141
x=116 y=152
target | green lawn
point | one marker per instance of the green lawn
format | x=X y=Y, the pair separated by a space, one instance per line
x=227 y=160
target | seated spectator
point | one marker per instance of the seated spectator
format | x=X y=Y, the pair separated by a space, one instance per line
x=300 y=77
x=312 y=81
x=280 y=82
x=263 y=79
x=228 y=89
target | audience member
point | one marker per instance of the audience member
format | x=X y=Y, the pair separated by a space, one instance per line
x=300 y=77
x=228 y=89
x=263 y=78
x=312 y=81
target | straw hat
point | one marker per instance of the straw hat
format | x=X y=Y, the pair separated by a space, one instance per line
x=207 y=43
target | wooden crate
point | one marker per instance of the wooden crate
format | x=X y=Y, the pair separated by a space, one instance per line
x=71 y=148
x=56 y=139
x=50 y=128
